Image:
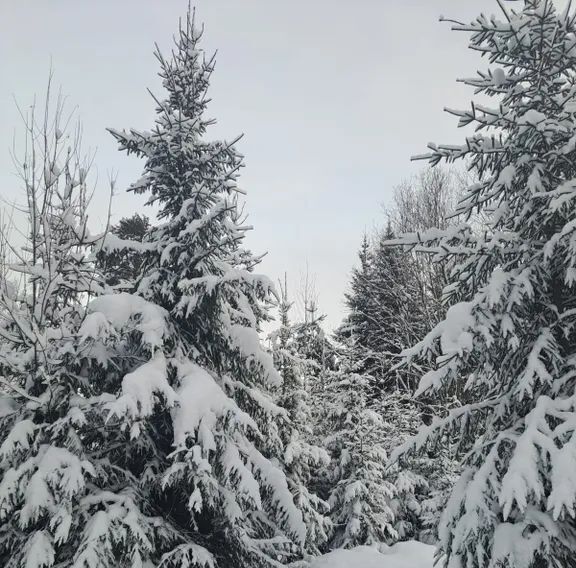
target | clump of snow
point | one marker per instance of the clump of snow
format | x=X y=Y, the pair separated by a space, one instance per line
x=532 y=117
x=140 y=390
x=409 y=554
x=499 y=76
x=19 y=437
x=113 y=243
x=506 y=177
x=201 y=402
x=39 y=550
x=456 y=336
x=248 y=342
x=94 y=326
x=563 y=495
x=272 y=477
x=496 y=286
x=188 y=555
x=514 y=546
x=119 y=309
x=57 y=471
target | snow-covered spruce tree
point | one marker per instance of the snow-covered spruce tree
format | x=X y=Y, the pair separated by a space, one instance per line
x=384 y=316
x=317 y=358
x=361 y=326
x=200 y=405
x=315 y=351
x=422 y=482
x=360 y=491
x=302 y=458
x=509 y=338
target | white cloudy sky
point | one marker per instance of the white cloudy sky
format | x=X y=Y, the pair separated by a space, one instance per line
x=333 y=97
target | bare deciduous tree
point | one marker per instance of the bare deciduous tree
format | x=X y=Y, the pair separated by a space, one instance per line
x=426 y=201
x=46 y=249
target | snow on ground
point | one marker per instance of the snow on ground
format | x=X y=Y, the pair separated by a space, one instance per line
x=410 y=554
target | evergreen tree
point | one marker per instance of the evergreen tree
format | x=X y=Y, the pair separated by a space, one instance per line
x=317 y=359
x=422 y=483
x=302 y=458
x=508 y=339
x=199 y=404
x=315 y=351
x=361 y=493
x=384 y=314
x=361 y=326
x=358 y=297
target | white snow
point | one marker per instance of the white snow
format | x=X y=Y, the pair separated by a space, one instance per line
x=532 y=117
x=496 y=286
x=39 y=551
x=506 y=177
x=499 y=76
x=201 y=402
x=118 y=310
x=140 y=390
x=18 y=438
x=514 y=545
x=113 y=243
x=563 y=495
x=409 y=554
x=273 y=477
x=58 y=472
x=188 y=555
x=456 y=336
x=248 y=342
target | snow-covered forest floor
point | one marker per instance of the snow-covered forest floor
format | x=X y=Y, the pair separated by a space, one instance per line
x=410 y=554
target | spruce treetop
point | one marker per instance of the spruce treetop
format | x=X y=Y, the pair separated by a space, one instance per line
x=196 y=267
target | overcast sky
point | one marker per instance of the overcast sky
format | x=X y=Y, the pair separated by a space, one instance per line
x=333 y=97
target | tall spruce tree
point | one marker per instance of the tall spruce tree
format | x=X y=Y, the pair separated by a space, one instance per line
x=508 y=341
x=315 y=348
x=199 y=403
